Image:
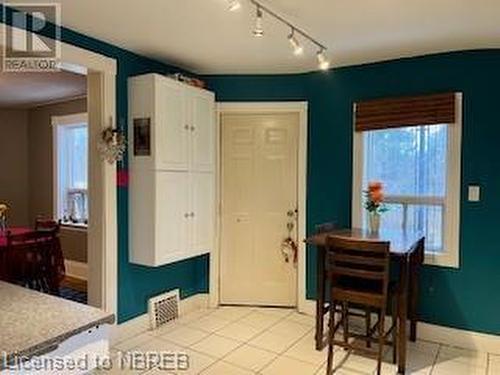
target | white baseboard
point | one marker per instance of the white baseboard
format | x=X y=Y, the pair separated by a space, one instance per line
x=141 y=323
x=77 y=270
x=458 y=337
x=444 y=335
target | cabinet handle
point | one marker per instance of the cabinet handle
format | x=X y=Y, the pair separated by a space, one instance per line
x=192 y=128
x=186 y=215
x=186 y=127
x=192 y=214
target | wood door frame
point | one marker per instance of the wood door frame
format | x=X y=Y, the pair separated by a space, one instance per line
x=102 y=231
x=301 y=108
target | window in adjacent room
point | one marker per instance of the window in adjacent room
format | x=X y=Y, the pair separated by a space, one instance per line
x=419 y=165
x=71 y=169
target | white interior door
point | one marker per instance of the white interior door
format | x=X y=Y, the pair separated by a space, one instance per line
x=258 y=187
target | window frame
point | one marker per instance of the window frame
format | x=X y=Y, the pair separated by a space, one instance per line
x=450 y=257
x=56 y=122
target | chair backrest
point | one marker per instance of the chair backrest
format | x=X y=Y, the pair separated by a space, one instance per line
x=27 y=248
x=47 y=225
x=359 y=270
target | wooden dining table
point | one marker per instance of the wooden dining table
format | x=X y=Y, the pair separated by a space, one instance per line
x=407 y=254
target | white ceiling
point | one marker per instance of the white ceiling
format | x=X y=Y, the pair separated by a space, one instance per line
x=202 y=36
x=26 y=90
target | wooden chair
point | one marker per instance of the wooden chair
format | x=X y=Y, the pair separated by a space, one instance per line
x=325 y=228
x=42 y=225
x=359 y=277
x=31 y=259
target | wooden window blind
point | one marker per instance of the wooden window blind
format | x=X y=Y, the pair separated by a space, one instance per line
x=405 y=111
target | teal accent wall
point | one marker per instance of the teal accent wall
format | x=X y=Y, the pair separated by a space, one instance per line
x=466 y=298
x=136 y=284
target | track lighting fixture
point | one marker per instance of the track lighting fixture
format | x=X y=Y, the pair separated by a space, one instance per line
x=259 y=30
x=234 y=5
x=297 y=48
x=324 y=64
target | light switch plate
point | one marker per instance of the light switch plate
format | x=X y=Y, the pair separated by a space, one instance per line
x=474 y=193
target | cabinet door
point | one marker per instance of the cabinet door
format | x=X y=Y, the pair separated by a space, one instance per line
x=202 y=212
x=172 y=216
x=202 y=109
x=172 y=127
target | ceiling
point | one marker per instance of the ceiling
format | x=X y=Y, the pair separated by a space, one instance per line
x=202 y=36
x=26 y=90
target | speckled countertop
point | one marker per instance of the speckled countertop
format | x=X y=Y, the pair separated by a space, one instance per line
x=32 y=323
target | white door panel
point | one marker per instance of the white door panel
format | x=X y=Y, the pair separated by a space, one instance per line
x=259 y=187
x=172 y=215
x=203 y=132
x=173 y=132
x=202 y=212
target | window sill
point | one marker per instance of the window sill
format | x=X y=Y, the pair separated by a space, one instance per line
x=445 y=259
x=73 y=226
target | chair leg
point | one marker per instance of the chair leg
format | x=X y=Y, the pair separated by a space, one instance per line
x=368 y=322
x=394 y=330
x=345 y=321
x=331 y=334
x=381 y=341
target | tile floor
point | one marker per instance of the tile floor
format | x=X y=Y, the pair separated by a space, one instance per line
x=270 y=341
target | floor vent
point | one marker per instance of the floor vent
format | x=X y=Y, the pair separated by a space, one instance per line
x=163 y=308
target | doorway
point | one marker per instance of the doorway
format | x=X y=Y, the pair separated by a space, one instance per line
x=262 y=196
x=102 y=224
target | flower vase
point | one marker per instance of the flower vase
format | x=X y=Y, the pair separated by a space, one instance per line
x=374 y=222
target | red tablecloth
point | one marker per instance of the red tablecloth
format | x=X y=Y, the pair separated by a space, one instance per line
x=14 y=231
x=55 y=263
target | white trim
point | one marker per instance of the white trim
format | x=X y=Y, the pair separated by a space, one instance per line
x=482 y=342
x=263 y=107
x=451 y=257
x=76 y=270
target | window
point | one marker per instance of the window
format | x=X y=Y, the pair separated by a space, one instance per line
x=420 y=169
x=71 y=172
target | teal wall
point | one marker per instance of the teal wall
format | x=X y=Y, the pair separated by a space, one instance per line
x=136 y=283
x=466 y=298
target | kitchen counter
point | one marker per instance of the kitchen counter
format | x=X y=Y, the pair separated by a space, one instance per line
x=34 y=324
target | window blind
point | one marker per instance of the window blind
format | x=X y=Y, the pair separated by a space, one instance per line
x=405 y=111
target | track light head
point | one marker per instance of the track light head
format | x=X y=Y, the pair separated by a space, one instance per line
x=259 y=30
x=297 y=48
x=234 y=5
x=324 y=64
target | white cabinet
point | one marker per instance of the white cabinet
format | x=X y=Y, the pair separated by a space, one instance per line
x=172 y=142
x=172 y=161
x=182 y=123
x=203 y=132
x=172 y=210
x=202 y=211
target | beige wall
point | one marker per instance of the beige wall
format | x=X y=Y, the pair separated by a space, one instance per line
x=40 y=140
x=14 y=164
